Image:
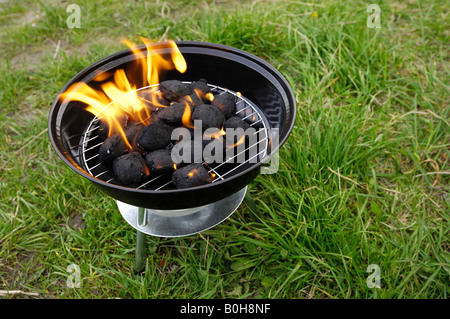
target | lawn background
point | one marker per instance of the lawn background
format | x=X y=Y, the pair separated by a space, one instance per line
x=363 y=178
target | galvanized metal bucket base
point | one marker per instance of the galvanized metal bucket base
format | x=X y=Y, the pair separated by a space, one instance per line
x=179 y=223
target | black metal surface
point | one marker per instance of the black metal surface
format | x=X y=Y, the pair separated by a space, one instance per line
x=224 y=66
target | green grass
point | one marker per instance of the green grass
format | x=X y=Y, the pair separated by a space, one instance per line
x=363 y=178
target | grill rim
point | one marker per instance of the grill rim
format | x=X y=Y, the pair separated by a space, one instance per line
x=194 y=45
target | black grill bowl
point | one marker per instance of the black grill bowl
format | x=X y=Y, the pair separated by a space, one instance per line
x=220 y=65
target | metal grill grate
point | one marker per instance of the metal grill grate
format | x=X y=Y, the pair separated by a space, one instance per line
x=90 y=144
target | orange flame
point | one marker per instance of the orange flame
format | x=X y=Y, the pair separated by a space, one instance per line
x=241 y=140
x=186 y=118
x=209 y=96
x=119 y=95
x=216 y=134
x=146 y=170
x=156 y=62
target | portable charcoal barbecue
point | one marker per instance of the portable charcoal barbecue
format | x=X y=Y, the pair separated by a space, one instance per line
x=155 y=207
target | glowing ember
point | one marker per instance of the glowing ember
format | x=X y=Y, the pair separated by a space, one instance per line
x=190 y=176
x=192 y=173
x=209 y=96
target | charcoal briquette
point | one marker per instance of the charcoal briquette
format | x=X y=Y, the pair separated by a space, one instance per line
x=202 y=88
x=113 y=147
x=174 y=90
x=159 y=161
x=193 y=100
x=172 y=114
x=225 y=102
x=130 y=168
x=132 y=132
x=209 y=115
x=155 y=136
x=199 y=89
x=190 y=176
x=235 y=122
x=103 y=129
x=201 y=85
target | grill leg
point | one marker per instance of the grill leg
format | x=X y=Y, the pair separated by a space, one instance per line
x=139 y=265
